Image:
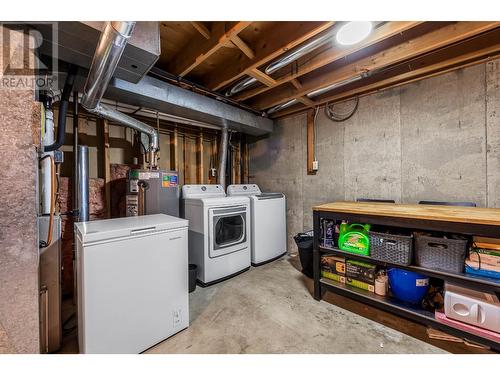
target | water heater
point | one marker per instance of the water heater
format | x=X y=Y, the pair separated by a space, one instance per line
x=152 y=192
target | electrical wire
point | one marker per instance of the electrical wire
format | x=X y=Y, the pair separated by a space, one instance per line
x=330 y=112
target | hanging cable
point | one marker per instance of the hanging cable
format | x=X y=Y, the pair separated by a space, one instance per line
x=332 y=112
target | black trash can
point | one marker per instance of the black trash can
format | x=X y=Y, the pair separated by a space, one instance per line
x=193 y=268
x=304 y=242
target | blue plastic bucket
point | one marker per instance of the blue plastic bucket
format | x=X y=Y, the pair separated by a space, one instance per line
x=408 y=286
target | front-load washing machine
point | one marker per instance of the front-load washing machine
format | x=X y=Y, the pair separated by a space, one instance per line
x=268 y=222
x=219 y=232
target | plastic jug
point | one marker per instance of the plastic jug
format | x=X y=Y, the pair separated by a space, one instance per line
x=354 y=238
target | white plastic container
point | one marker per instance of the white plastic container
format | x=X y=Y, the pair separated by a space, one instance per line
x=472 y=307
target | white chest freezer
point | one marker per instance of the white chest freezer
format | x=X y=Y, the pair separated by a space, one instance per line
x=132 y=276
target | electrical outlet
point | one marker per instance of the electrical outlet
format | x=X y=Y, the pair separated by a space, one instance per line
x=315 y=165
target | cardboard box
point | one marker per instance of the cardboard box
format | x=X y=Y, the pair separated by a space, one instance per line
x=333 y=268
x=360 y=284
x=361 y=271
x=361 y=275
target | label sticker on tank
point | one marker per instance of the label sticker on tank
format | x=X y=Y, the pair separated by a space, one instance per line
x=422 y=282
x=169 y=180
x=154 y=175
x=143 y=175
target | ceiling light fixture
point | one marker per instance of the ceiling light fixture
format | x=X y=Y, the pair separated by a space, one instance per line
x=353 y=32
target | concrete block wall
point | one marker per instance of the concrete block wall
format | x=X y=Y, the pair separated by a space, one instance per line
x=435 y=139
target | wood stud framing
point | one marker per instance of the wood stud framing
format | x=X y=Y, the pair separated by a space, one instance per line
x=333 y=54
x=174 y=149
x=202 y=29
x=407 y=50
x=310 y=141
x=219 y=54
x=197 y=52
x=200 y=169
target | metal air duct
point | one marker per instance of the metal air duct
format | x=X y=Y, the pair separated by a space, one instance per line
x=107 y=55
x=223 y=156
x=286 y=59
x=83 y=183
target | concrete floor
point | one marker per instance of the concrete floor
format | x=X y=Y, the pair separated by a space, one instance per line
x=269 y=309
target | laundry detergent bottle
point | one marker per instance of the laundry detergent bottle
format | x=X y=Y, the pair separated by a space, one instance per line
x=354 y=238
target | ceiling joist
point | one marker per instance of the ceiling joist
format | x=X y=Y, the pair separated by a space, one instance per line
x=200 y=49
x=286 y=35
x=202 y=29
x=335 y=53
x=238 y=42
x=481 y=50
x=415 y=47
x=262 y=77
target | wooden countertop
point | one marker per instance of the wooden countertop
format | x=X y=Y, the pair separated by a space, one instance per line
x=470 y=215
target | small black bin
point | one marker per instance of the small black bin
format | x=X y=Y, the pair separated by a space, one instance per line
x=304 y=242
x=193 y=268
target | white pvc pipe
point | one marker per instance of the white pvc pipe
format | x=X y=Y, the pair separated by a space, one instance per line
x=46 y=180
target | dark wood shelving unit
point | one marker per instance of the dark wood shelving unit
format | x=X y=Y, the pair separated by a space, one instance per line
x=484 y=284
x=388 y=303
x=407 y=311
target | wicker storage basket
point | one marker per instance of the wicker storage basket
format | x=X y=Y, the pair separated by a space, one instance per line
x=391 y=248
x=447 y=254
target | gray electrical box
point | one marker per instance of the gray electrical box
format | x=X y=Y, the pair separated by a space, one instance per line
x=152 y=192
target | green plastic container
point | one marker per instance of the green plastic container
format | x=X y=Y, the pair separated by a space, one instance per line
x=354 y=238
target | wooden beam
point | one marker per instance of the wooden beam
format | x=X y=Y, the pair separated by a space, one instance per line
x=107 y=170
x=213 y=158
x=405 y=51
x=310 y=142
x=295 y=82
x=200 y=169
x=334 y=53
x=229 y=44
x=236 y=163
x=198 y=51
x=307 y=102
x=246 y=160
x=284 y=36
x=174 y=149
x=262 y=77
x=238 y=42
x=103 y=171
x=484 y=53
x=185 y=153
x=201 y=28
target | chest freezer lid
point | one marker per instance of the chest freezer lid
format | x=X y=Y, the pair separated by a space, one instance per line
x=101 y=230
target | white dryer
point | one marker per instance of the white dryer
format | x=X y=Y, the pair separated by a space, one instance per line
x=219 y=232
x=268 y=222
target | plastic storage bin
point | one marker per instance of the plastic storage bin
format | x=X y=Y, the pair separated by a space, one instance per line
x=447 y=254
x=408 y=286
x=391 y=248
x=471 y=307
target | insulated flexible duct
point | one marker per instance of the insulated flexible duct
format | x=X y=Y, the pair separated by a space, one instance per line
x=63 y=110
